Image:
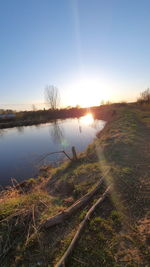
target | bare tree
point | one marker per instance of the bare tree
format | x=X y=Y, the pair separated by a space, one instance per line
x=33 y=107
x=144 y=97
x=52 y=96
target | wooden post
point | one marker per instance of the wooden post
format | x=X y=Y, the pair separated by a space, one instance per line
x=74 y=153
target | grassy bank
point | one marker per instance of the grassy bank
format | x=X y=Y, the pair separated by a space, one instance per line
x=28 y=118
x=118 y=233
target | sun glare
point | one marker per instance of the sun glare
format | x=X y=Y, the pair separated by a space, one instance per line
x=88 y=92
x=87 y=119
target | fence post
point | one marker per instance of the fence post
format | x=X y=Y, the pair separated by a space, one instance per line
x=74 y=153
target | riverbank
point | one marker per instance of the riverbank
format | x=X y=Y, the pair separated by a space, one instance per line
x=28 y=118
x=118 y=232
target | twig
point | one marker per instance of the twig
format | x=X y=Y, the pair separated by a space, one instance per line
x=79 y=261
x=64 y=258
x=13 y=180
x=28 y=235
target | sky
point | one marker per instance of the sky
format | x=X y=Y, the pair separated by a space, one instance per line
x=91 y=50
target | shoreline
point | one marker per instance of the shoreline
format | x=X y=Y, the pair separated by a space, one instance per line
x=48 y=116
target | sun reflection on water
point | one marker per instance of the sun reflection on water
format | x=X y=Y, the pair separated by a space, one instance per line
x=87 y=119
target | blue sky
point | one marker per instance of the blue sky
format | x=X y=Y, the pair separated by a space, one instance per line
x=92 y=50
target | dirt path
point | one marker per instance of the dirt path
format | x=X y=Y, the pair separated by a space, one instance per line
x=134 y=239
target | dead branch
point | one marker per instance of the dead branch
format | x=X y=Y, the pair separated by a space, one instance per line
x=62 y=216
x=16 y=184
x=64 y=258
x=57 y=152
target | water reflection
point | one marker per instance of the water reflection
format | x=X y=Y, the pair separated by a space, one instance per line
x=80 y=127
x=56 y=132
x=87 y=119
x=2 y=132
x=37 y=126
x=20 y=129
x=94 y=125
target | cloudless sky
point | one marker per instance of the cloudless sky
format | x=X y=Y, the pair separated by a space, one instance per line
x=90 y=49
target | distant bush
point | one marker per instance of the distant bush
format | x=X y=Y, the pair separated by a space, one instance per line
x=102 y=103
x=144 y=97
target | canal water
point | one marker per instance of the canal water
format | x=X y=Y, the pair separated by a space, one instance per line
x=22 y=149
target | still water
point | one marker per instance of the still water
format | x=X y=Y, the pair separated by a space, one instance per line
x=23 y=148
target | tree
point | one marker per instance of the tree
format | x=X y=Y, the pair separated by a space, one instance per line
x=33 y=107
x=102 y=103
x=145 y=97
x=52 y=96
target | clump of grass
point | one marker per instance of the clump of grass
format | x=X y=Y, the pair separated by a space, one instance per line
x=116 y=219
x=99 y=224
x=20 y=217
x=81 y=177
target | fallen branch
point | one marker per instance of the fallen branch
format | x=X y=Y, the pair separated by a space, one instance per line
x=62 y=216
x=64 y=258
x=57 y=152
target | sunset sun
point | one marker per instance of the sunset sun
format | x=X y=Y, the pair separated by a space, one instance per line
x=88 y=92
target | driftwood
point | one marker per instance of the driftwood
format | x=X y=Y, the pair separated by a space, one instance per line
x=64 y=258
x=62 y=216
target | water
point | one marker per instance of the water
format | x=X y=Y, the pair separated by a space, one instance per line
x=23 y=148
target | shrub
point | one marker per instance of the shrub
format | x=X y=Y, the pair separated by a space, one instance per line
x=144 y=97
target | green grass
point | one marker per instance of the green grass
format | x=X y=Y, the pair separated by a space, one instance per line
x=95 y=247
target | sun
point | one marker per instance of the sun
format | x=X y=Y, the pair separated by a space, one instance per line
x=87 y=92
